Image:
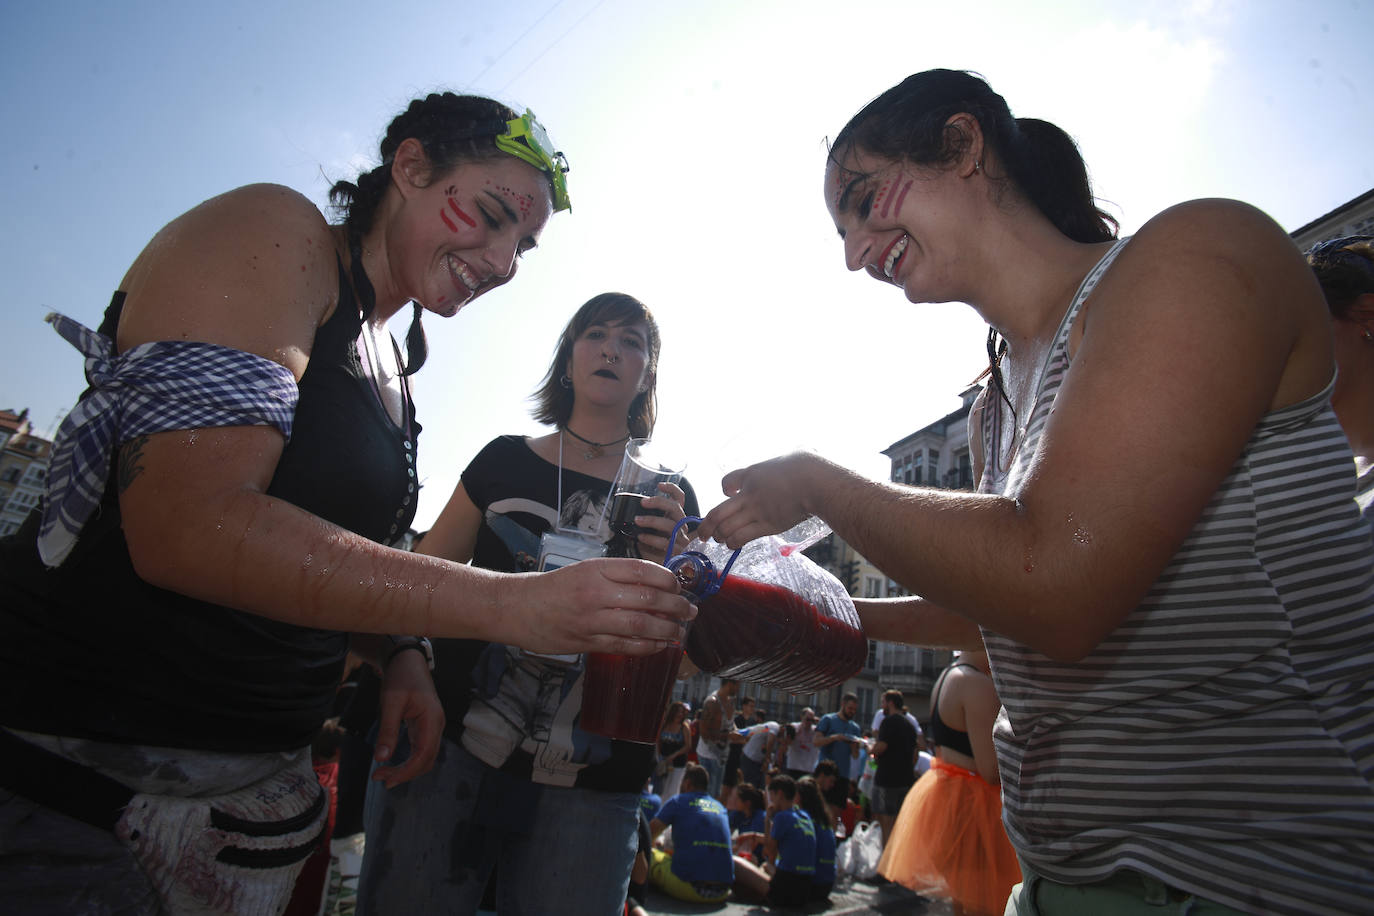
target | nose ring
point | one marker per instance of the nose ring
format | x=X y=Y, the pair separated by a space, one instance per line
x=613 y=359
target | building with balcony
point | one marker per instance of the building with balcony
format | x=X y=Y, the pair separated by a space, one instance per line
x=23 y=469
x=1355 y=217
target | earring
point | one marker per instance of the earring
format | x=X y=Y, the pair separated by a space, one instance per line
x=977 y=166
x=1368 y=337
x=565 y=381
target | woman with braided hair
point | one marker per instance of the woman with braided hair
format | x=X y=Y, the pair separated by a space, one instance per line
x=175 y=622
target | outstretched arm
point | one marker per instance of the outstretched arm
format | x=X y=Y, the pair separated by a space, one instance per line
x=195 y=510
x=1149 y=420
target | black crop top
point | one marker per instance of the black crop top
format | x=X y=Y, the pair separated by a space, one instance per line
x=940 y=733
x=90 y=650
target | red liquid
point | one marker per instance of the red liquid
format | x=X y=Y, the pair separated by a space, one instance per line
x=624 y=697
x=770 y=636
x=624 y=507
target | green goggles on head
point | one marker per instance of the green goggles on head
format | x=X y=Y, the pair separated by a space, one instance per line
x=526 y=139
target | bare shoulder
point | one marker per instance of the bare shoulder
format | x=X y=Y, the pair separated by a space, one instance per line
x=254 y=268
x=1204 y=233
x=1225 y=269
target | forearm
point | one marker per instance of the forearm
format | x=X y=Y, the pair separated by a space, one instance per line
x=917 y=622
x=976 y=559
x=256 y=553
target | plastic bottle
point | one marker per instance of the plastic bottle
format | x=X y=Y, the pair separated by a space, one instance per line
x=773 y=617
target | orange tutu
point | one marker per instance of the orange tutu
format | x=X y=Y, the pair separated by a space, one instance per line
x=948 y=842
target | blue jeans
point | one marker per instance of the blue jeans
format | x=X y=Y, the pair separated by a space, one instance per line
x=715 y=772
x=432 y=844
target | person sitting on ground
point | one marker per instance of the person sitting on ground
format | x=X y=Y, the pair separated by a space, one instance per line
x=650 y=801
x=748 y=814
x=789 y=852
x=700 y=868
x=637 y=897
x=811 y=799
x=827 y=777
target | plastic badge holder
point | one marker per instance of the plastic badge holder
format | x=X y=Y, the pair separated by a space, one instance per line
x=770 y=616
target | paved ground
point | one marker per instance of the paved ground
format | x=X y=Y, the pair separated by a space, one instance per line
x=849 y=897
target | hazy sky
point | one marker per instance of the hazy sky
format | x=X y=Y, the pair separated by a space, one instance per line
x=696 y=133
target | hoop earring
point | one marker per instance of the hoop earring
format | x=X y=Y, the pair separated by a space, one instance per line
x=565 y=381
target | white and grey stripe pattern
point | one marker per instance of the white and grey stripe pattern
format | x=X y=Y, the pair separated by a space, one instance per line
x=1221 y=739
x=153 y=387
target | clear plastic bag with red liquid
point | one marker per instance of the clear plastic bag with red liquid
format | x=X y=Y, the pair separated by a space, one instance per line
x=776 y=619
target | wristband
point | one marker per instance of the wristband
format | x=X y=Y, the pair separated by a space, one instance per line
x=418 y=643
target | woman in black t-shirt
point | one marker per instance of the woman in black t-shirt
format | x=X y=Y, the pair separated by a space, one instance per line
x=519 y=786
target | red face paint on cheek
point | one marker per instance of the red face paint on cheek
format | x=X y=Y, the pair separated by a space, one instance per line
x=455 y=210
x=901 y=196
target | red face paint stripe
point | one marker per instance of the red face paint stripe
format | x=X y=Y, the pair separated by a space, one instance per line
x=902 y=196
x=459 y=211
x=447 y=222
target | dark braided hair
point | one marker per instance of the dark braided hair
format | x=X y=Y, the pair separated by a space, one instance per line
x=452 y=129
x=909 y=123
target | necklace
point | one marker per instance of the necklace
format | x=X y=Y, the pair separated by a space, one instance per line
x=595 y=449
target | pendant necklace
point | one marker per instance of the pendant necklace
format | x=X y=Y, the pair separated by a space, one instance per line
x=595 y=449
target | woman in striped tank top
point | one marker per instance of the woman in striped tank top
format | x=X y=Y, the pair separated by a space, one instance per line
x=1164 y=557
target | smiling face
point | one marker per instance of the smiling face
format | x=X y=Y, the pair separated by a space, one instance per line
x=610 y=362
x=900 y=223
x=463 y=233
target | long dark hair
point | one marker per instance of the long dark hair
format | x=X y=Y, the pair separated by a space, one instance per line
x=554 y=403
x=810 y=800
x=909 y=122
x=452 y=129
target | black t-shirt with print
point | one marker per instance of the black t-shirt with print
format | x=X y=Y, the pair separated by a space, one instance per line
x=516 y=711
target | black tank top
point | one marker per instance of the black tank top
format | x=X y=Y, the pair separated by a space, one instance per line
x=942 y=734
x=90 y=650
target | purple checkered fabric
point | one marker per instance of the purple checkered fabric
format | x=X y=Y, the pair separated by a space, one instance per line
x=152 y=388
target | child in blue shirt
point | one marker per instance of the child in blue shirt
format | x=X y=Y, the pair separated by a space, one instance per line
x=649 y=800
x=748 y=816
x=700 y=868
x=810 y=800
x=789 y=849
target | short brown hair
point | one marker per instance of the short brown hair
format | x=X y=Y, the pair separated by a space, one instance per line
x=554 y=403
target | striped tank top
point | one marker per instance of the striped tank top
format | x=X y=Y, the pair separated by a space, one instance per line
x=1221 y=739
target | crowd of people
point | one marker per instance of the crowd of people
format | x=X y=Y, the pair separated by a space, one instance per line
x=1165 y=573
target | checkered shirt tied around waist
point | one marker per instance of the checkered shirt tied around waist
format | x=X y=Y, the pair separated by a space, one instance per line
x=154 y=387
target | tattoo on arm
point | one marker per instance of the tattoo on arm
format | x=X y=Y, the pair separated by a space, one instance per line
x=130 y=461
